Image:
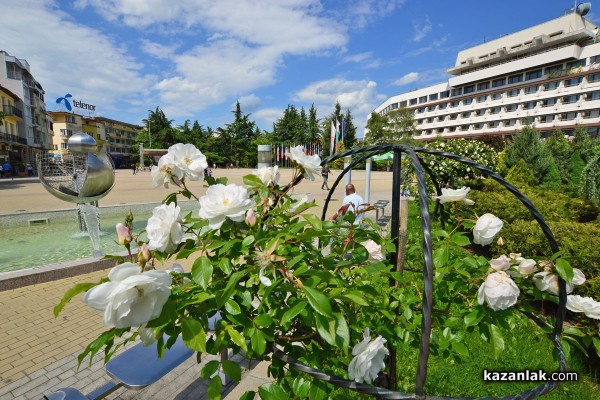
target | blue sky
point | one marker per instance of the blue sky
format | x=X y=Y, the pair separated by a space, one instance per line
x=195 y=58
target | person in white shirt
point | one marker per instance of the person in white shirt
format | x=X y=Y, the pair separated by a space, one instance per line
x=353 y=203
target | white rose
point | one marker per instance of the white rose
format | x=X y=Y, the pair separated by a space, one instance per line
x=501 y=263
x=486 y=227
x=268 y=175
x=131 y=297
x=368 y=359
x=222 y=201
x=189 y=160
x=263 y=278
x=586 y=305
x=311 y=165
x=164 y=229
x=451 y=195
x=374 y=250
x=166 y=172
x=548 y=281
x=498 y=291
x=526 y=266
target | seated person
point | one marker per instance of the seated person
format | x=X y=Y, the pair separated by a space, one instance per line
x=352 y=202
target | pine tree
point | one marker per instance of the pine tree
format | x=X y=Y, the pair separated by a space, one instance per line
x=350 y=135
x=528 y=147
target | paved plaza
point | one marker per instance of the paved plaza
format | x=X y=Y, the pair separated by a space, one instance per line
x=39 y=352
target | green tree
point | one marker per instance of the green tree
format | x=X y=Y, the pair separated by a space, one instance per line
x=241 y=133
x=583 y=143
x=561 y=151
x=400 y=127
x=313 y=124
x=292 y=127
x=376 y=129
x=158 y=133
x=350 y=133
x=528 y=147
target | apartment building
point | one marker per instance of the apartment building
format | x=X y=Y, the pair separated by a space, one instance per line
x=25 y=112
x=547 y=76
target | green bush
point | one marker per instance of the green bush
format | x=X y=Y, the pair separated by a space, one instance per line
x=579 y=241
x=520 y=174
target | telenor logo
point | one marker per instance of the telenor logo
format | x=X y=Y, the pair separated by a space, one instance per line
x=65 y=100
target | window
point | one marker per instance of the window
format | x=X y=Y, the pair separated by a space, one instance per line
x=513 y=93
x=456 y=92
x=443 y=106
x=551 y=85
x=454 y=103
x=403 y=103
x=431 y=108
x=433 y=97
x=394 y=106
x=494 y=124
x=531 y=89
x=495 y=110
x=468 y=101
x=546 y=118
x=63 y=146
x=452 y=129
x=573 y=81
x=509 y=122
x=576 y=64
x=453 y=116
x=568 y=116
x=477 y=126
x=496 y=96
x=464 y=128
x=481 y=99
x=55 y=147
x=429 y=120
x=595 y=59
x=515 y=79
x=570 y=99
x=498 y=82
x=66 y=132
x=419 y=121
x=423 y=99
x=533 y=74
x=553 y=69
x=421 y=110
x=465 y=114
x=511 y=107
x=591 y=114
x=445 y=95
x=412 y=102
x=549 y=102
x=483 y=86
x=441 y=118
x=70 y=119
x=593 y=77
x=469 y=89
x=479 y=113
x=529 y=105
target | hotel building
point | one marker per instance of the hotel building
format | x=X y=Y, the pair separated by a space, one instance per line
x=547 y=76
x=25 y=131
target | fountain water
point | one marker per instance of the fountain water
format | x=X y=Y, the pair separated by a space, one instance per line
x=91 y=218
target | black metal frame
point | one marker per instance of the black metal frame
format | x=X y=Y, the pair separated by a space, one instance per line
x=421 y=168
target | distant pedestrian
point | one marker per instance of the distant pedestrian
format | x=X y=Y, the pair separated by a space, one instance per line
x=325 y=174
x=7 y=169
x=134 y=168
x=214 y=166
x=29 y=169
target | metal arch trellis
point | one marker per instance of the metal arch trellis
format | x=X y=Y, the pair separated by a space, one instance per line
x=421 y=168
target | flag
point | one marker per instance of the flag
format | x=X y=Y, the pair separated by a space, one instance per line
x=343 y=130
x=337 y=132
x=332 y=141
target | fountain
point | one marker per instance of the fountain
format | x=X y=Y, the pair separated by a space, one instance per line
x=80 y=177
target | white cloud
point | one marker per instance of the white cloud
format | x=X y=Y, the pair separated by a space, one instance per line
x=421 y=30
x=365 y=60
x=249 y=103
x=267 y=116
x=158 y=50
x=360 y=97
x=436 y=45
x=406 y=79
x=360 y=13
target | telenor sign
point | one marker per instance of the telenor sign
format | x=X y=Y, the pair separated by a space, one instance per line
x=77 y=104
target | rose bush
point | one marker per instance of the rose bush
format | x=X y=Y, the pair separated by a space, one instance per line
x=280 y=277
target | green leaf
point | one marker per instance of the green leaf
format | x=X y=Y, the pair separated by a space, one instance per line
x=237 y=337
x=318 y=301
x=248 y=240
x=314 y=221
x=300 y=387
x=249 y=395
x=460 y=348
x=272 y=391
x=333 y=330
x=225 y=265
x=460 y=239
x=252 y=180
x=596 y=342
x=193 y=334
x=223 y=296
x=69 y=294
x=354 y=298
x=317 y=390
x=232 y=370
x=209 y=369
x=292 y=312
x=263 y=320
x=473 y=318
x=496 y=340
x=202 y=272
x=258 y=342
x=214 y=388
x=232 y=307
x=440 y=257
x=564 y=269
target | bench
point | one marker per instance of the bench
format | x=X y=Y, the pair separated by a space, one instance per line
x=139 y=367
x=380 y=205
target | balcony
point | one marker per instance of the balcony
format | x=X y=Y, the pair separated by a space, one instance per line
x=12 y=111
x=8 y=138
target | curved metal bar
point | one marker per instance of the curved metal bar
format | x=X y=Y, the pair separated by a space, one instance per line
x=416 y=160
x=427 y=273
x=438 y=189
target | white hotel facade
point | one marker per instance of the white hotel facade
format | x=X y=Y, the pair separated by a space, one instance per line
x=547 y=76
